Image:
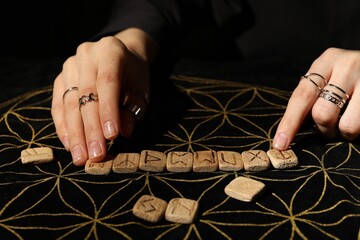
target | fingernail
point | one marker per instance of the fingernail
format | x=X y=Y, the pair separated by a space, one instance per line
x=77 y=153
x=281 y=141
x=94 y=150
x=109 y=130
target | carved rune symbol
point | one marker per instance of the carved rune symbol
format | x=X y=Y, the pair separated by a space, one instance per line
x=178 y=206
x=284 y=156
x=97 y=165
x=151 y=158
x=177 y=158
x=256 y=156
x=208 y=156
x=147 y=205
x=231 y=161
x=126 y=162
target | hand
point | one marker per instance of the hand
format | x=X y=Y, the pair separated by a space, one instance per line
x=340 y=69
x=108 y=75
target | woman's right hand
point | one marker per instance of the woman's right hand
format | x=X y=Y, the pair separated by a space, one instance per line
x=108 y=89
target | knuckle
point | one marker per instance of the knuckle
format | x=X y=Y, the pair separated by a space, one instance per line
x=87 y=90
x=349 y=129
x=327 y=55
x=84 y=48
x=330 y=52
x=110 y=42
x=55 y=110
x=322 y=115
x=68 y=62
x=107 y=77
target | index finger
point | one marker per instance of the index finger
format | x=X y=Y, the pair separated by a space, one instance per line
x=300 y=104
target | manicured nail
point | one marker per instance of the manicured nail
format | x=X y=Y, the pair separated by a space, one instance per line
x=94 y=150
x=77 y=153
x=109 y=130
x=281 y=141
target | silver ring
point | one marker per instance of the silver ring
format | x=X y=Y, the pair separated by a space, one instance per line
x=340 y=89
x=69 y=90
x=135 y=109
x=317 y=74
x=87 y=98
x=334 y=94
x=328 y=96
x=312 y=81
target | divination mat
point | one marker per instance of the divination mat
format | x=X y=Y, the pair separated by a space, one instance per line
x=320 y=199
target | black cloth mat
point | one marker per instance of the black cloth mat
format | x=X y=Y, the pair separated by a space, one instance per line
x=219 y=106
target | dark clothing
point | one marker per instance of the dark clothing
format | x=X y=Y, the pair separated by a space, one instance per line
x=253 y=29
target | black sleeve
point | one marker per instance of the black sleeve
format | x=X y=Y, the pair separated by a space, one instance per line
x=164 y=18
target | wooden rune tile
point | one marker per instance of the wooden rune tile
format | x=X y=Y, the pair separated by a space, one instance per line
x=205 y=161
x=152 y=161
x=244 y=189
x=230 y=161
x=179 y=161
x=37 y=155
x=255 y=160
x=282 y=159
x=126 y=163
x=98 y=168
x=150 y=208
x=181 y=210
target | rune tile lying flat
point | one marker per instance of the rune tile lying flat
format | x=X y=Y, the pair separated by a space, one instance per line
x=244 y=189
x=98 y=168
x=181 y=210
x=37 y=155
x=150 y=208
x=283 y=159
x=178 y=161
x=152 y=161
x=255 y=160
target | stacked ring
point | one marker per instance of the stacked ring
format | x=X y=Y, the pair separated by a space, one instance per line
x=307 y=77
x=335 y=97
x=87 y=98
x=341 y=90
x=317 y=74
x=328 y=95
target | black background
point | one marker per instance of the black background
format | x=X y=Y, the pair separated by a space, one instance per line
x=39 y=29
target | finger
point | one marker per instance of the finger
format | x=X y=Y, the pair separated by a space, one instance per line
x=109 y=82
x=136 y=96
x=95 y=141
x=72 y=115
x=327 y=108
x=300 y=104
x=57 y=112
x=132 y=110
x=349 y=124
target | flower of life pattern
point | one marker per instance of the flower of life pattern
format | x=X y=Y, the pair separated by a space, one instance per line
x=320 y=199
